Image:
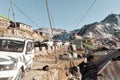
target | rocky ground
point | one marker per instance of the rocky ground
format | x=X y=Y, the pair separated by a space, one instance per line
x=57 y=70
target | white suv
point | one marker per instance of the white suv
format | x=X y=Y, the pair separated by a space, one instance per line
x=16 y=55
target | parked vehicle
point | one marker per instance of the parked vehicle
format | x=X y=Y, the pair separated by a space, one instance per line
x=16 y=56
x=48 y=42
x=58 y=43
x=66 y=43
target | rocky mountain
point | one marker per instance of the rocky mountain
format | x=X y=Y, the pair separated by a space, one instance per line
x=112 y=18
x=105 y=33
x=58 y=34
x=64 y=36
x=52 y=33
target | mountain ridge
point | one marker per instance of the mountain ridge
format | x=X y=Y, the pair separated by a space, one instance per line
x=105 y=33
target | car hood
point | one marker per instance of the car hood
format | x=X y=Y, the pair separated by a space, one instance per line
x=8 y=57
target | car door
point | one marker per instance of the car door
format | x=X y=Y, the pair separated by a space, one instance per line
x=29 y=56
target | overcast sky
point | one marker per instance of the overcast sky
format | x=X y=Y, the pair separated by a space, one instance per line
x=66 y=14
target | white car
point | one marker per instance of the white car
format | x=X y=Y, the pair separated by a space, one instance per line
x=66 y=43
x=58 y=43
x=48 y=42
x=16 y=55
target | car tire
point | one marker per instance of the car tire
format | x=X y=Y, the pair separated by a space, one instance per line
x=19 y=75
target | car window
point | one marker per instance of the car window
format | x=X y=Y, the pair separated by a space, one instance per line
x=29 y=46
x=11 y=45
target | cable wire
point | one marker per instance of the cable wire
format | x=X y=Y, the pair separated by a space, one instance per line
x=9 y=10
x=25 y=15
x=86 y=12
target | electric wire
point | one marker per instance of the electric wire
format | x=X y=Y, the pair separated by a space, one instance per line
x=26 y=15
x=9 y=10
x=86 y=13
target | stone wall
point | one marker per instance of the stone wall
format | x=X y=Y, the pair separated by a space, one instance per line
x=50 y=49
x=4 y=23
x=24 y=26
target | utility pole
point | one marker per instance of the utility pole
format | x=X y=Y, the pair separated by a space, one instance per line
x=49 y=17
x=13 y=17
x=51 y=27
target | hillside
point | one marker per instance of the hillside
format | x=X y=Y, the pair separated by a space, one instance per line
x=20 y=33
x=17 y=29
x=104 y=33
x=55 y=33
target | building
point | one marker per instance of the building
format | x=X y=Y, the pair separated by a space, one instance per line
x=21 y=26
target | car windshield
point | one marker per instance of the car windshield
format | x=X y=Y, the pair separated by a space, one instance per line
x=11 y=45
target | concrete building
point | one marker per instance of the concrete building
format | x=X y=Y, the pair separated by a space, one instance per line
x=21 y=26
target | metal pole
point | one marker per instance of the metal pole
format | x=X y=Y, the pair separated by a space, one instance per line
x=51 y=28
x=13 y=17
x=49 y=18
